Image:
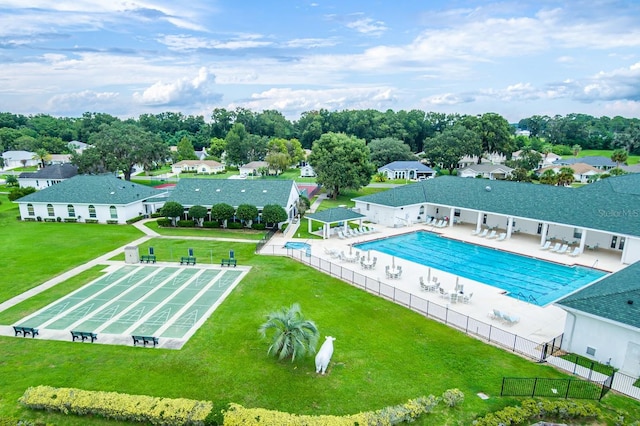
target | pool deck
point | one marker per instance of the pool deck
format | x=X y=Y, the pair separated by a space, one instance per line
x=539 y=324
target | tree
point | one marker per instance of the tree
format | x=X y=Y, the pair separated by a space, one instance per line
x=494 y=131
x=520 y=175
x=292 y=336
x=222 y=212
x=247 y=213
x=619 y=156
x=565 y=176
x=20 y=192
x=386 y=150
x=273 y=214
x=184 y=150
x=198 y=213
x=237 y=145
x=575 y=149
x=123 y=145
x=548 y=177
x=11 y=180
x=90 y=161
x=278 y=161
x=341 y=161
x=172 y=210
x=303 y=205
x=217 y=147
x=42 y=156
x=447 y=148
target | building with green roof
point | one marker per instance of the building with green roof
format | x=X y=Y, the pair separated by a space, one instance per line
x=82 y=198
x=256 y=192
x=603 y=214
x=603 y=320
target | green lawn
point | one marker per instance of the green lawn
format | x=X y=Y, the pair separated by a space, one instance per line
x=384 y=353
x=632 y=159
x=245 y=234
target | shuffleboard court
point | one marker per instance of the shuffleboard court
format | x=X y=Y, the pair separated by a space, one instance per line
x=164 y=301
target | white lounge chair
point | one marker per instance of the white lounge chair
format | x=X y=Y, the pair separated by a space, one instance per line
x=430 y=221
x=484 y=233
x=546 y=246
x=492 y=235
x=341 y=235
x=444 y=293
x=556 y=247
x=502 y=236
x=563 y=249
x=576 y=252
x=476 y=231
x=510 y=319
x=495 y=314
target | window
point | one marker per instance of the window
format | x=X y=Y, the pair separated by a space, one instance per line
x=92 y=211
x=539 y=228
x=456 y=212
x=30 y=211
x=50 y=211
x=114 y=212
x=577 y=233
x=71 y=211
x=368 y=207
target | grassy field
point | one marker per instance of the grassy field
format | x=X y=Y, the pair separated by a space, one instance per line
x=632 y=159
x=384 y=353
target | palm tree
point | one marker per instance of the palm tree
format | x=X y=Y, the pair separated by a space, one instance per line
x=565 y=176
x=293 y=336
x=548 y=177
x=42 y=156
x=619 y=156
x=576 y=150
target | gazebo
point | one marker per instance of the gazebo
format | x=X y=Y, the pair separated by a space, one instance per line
x=337 y=215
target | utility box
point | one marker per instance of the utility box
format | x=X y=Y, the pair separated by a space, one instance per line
x=131 y=254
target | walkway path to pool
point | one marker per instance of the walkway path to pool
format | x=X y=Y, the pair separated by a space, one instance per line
x=539 y=324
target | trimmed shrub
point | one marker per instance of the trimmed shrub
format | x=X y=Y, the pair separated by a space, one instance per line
x=112 y=221
x=186 y=223
x=58 y=219
x=258 y=226
x=545 y=409
x=210 y=224
x=156 y=215
x=234 y=225
x=113 y=405
x=163 y=222
x=49 y=219
x=39 y=218
x=91 y=221
x=453 y=397
x=135 y=219
x=70 y=219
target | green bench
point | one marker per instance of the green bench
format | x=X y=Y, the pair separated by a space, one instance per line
x=148 y=258
x=24 y=331
x=228 y=262
x=187 y=260
x=83 y=335
x=144 y=340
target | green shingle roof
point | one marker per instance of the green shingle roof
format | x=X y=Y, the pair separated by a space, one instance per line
x=609 y=298
x=207 y=192
x=92 y=189
x=612 y=204
x=337 y=214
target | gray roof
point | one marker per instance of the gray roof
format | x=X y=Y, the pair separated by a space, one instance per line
x=18 y=155
x=407 y=165
x=208 y=192
x=609 y=298
x=635 y=168
x=337 y=214
x=92 y=189
x=611 y=204
x=55 y=171
x=590 y=160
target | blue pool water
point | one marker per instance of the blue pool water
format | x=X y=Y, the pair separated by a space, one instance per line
x=296 y=245
x=526 y=278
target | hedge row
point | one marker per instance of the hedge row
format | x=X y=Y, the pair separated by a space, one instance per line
x=113 y=405
x=544 y=409
x=237 y=415
x=164 y=223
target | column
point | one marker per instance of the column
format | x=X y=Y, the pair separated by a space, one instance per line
x=583 y=239
x=479 y=222
x=509 y=226
x=451 y=216
x=545 y=230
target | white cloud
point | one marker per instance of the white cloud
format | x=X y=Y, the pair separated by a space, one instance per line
x=187 y=43
x=85 y=99
x=367 y=26
x=178 y=92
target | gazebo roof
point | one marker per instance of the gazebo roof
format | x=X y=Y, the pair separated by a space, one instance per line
x=336 y=214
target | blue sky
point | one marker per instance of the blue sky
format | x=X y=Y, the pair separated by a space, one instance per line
x=128 y=58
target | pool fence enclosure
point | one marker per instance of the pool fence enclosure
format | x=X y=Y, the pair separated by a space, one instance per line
x=536 y=351
x=554 y=387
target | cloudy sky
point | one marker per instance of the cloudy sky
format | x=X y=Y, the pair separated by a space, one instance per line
x=126 y=58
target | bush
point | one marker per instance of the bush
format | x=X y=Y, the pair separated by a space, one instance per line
x=234 y=225
x=58 y=219
x=453 y=397
x=135 y=219
x=258 y=226
x=210 y=224
x=121 y=407
x=112 y=221
x=156 y=214
x=164 y=222
x=91 y=221
x=39 y=218
x=70 y=219
x=544 y=409
x=186 y=223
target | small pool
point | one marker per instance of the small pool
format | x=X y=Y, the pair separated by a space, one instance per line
x=525 y=278
x=296 y=245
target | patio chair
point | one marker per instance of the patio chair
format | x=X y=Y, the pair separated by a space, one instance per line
x=546 y=246
x=510 y=319
x=433 y=287
x=556 y=247
x=423 y=286
x=576 y=252
x=484 y=233
x=466 y=298
x=430 y=221
x=492 y=235
x=443 y=293
x=496 y=314
x=476 y=231
x=502 y=236
x=563 y=249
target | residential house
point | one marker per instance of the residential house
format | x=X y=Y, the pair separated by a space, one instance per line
x=47 y=176
x=198 y=166
x=58 y=159
x=605 y=312
x=601 y=163
x=492 y=158
x=485 y=170
x=635 y=168
x=582 y=172
x=91 y=198
x=77 y=146
x=307 y=171
x=257 y=192
x=604 y=214
x=410 y=170
x=546 y=160
x=15 y=159
x=253 y=168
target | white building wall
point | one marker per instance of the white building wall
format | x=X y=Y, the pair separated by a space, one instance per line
x=582 y=331
x=103 y=212
x=632 y=251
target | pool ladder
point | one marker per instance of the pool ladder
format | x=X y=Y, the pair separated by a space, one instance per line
x=528 y=298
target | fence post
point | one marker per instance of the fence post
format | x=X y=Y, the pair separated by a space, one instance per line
x=502 y=388
x=543 y=355
x=568 y=386
x=535 y=384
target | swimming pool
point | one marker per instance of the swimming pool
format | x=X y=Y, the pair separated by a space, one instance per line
x=526 y=278
x=296 y=245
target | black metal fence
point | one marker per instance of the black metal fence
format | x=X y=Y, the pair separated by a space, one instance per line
x=471 y=326
x=554 y=388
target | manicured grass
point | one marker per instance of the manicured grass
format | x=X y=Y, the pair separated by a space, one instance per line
x=346 y=196
x=632 y=159
x=33 y=252
x=245 y=234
